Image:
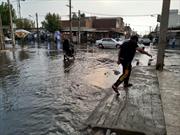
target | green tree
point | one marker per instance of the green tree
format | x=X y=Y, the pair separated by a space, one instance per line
x=51 y=22
x=74 y=16
x=150 y=36
x=24 y=23
x=83 y=15
x=4 y=11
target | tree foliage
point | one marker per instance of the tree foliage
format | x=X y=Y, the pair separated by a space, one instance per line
x=51 y=22
x=24 y=23
x=74 y=16
x=4 y=12
x=83 y=15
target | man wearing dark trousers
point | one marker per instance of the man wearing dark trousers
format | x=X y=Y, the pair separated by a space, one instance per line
x=126 y=54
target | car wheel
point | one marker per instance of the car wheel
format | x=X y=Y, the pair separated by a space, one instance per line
x=100 y=46
x=117 y=46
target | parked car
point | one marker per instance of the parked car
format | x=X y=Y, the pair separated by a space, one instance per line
x=145 y=41
x=7 y=40
x=107 y=43
x=120 y=40
x=155 y=41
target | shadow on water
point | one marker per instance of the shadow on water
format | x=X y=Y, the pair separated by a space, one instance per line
x=68 y=65
x=7 y=64
x=4 y=59
x=52 y=53
x=23 y=55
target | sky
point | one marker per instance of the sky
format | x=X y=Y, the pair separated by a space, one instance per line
x=140 y=15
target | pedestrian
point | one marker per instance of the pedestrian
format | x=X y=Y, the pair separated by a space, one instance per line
x=68 y=49
x=57 y=37
x=173 y=42
x=126 y=54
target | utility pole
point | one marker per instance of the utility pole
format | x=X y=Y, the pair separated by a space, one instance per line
x=79 y=27
x=2 y=45
x=150 y=29
x=70 y=21
x=11 y=25
x=19 y=8
x=37 y=27
x=163 y=33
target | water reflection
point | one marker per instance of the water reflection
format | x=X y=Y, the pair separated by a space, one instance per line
x=23 y=55
x=7 y=64
x=59 y=47
x=4 y=59
x=52 y=53
x=68 y=65
x=9 y=76
x=48 y=45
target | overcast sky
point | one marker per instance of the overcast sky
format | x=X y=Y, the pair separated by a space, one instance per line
x=128 y=9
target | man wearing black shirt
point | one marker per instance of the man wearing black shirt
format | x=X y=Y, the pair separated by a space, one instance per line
x=126 y=54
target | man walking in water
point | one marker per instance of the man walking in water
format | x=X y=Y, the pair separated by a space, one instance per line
x=126 y=54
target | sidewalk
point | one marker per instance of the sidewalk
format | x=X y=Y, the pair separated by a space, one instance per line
x=137 y=110
x=169 y=84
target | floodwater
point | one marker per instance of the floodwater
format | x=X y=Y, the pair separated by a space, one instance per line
x=42 y=95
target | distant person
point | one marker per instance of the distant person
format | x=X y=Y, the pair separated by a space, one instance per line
x=173 y=42
x=57 y=37
x=126 y=54
x=68 y=49
x=48 y=37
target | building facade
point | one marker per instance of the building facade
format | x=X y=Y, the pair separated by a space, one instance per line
x=109 y=27
x=174 y=19
x=93 y=28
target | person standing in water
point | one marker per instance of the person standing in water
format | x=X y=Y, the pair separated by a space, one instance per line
x=126 y=54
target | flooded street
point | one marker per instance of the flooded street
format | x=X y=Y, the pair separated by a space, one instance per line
x=42 y=95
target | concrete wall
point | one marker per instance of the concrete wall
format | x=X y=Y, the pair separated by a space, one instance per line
x=174 y=19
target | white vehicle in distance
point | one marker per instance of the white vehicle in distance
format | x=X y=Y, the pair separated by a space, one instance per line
x=7 y=40
x=107 y=43
x=120 y=40
x=145 y=41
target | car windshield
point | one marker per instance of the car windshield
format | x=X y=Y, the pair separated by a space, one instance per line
x=118 y=39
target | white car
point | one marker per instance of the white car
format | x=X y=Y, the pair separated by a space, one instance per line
x=107 y=43
x=120 y=40
x=7 y=40
x=145 y=41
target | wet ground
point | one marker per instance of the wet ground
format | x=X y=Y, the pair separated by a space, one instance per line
x=42 y=95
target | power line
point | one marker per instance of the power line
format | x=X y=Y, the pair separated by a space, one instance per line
x=152 y=15
x=46 y=14
x=141 y=25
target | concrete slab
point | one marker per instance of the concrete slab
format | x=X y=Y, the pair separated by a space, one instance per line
x=138 y=109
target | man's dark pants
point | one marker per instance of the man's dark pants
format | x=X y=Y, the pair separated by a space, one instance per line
x=125 y=76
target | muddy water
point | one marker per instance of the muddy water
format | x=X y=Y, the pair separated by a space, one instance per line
x=42 y=95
